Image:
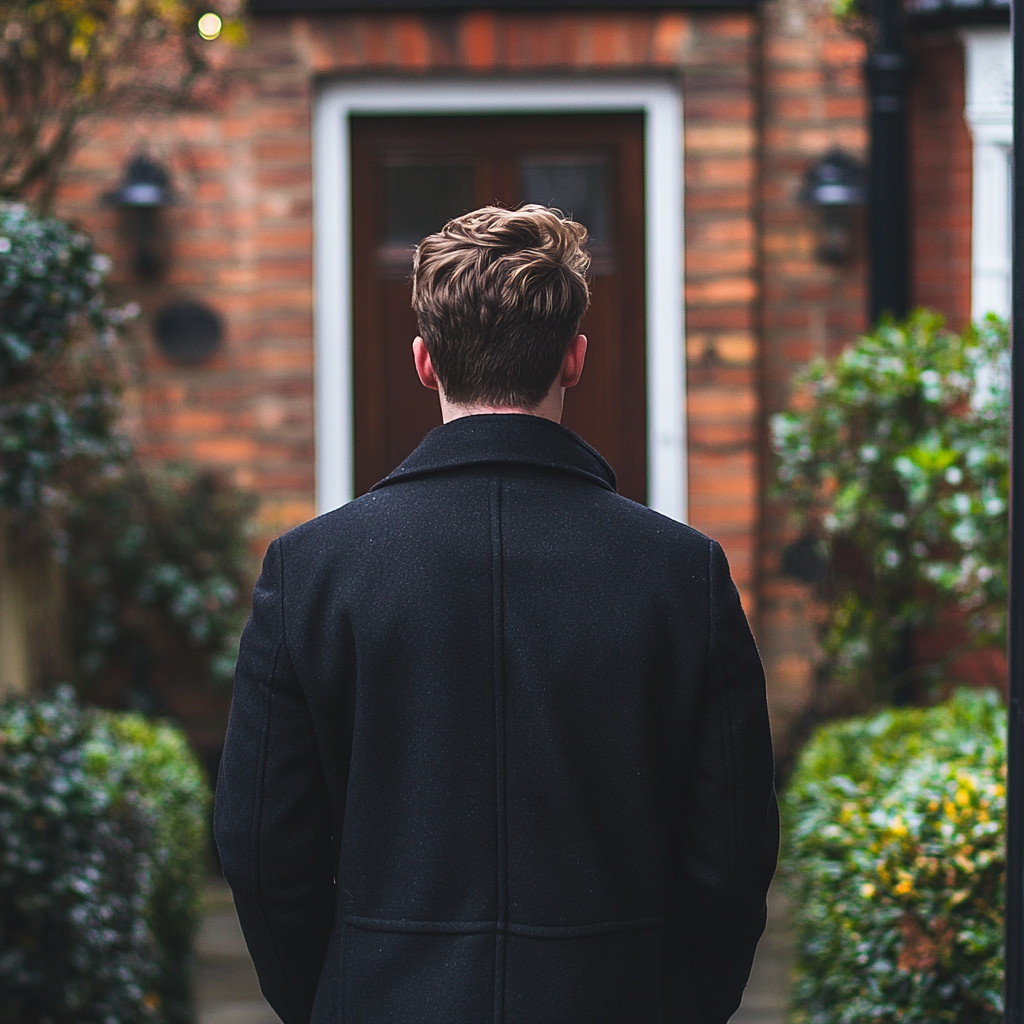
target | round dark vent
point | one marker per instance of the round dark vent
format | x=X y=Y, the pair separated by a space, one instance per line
x=188 y=332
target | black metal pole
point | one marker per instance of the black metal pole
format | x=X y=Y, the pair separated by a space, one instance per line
x=886 y=71
x=1015 y=773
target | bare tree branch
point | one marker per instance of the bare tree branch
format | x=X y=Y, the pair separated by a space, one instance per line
x=64 y=61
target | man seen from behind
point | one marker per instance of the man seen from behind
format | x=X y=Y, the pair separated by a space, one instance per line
x=499 y=747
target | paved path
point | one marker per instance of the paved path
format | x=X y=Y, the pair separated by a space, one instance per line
x=226 y=988
x=227 y=991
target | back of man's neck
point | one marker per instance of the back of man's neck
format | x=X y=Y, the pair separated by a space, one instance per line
x=549 y=408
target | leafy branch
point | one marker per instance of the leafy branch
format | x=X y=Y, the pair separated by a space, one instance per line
x=63 y=61
x=895 y=462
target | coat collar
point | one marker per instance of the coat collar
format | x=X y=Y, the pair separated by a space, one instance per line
x=509 y=438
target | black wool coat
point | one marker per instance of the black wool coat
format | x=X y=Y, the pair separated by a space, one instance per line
x=498 y=751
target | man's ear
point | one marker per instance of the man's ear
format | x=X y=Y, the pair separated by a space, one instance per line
x=424 y=367
x=572 y=362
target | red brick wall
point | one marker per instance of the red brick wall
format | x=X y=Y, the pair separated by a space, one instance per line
x=940 y=151
x=240 y=241
x=764 y=95
x=721 y=174
x=813 y=99
x=715 y=58
x=242 y=231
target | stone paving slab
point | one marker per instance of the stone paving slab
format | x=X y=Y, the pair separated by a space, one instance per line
x=227 y=991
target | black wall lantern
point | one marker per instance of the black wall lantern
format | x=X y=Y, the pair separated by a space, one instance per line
x=145 y=192
x=834 y=186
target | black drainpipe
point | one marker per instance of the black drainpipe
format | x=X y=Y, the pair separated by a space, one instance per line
x=887 y=74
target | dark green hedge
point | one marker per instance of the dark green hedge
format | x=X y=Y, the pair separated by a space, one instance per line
x=895 y=860
x=103 y=854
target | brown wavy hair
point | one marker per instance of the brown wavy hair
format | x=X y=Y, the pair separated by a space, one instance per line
x=498 y=296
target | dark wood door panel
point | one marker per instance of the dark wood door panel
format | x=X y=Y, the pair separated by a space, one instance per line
x=594 y=408
x=410 y=174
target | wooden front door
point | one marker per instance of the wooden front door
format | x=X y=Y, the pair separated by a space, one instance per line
x=409 y=176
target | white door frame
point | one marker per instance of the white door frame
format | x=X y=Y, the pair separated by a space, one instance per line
x=661 y=105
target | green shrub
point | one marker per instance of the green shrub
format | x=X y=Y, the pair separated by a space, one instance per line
x=150 y=553
x=103 y=840
x=174 y=788
x=157 y=553
x=895 y=859
x=895 y=464
x=58 y=401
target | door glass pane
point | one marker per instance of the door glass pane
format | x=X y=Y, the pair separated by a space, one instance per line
x=578 y=186
x=420 y=199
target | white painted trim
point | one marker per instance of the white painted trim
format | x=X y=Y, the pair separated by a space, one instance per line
x=332 y=309
x=988 y=62
x=661 y=104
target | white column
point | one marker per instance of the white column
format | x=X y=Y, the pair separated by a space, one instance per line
x=989 y=114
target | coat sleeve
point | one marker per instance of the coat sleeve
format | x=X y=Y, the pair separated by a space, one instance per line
x=730 y=827
x=272 y=820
